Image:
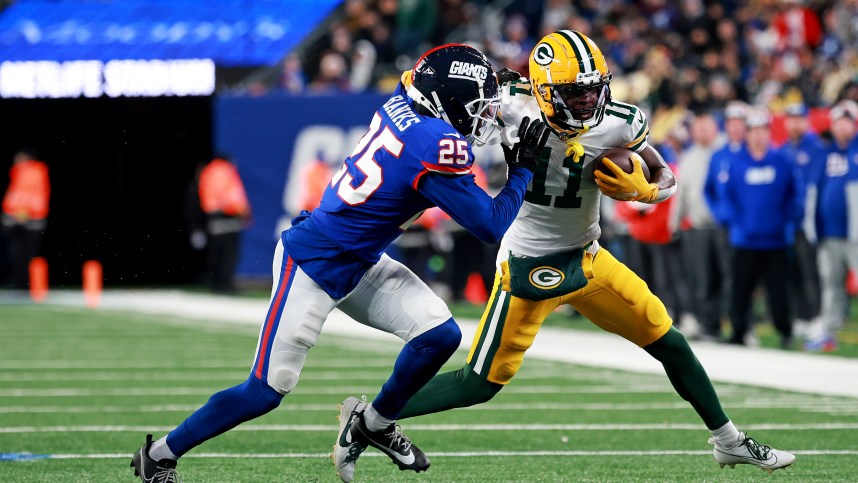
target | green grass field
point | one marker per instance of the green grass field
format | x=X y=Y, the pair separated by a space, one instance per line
x=86 y=386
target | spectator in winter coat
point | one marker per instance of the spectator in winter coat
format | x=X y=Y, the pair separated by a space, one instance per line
x=762 y=198
x=704 y=245
x=804 y=150
x=836 y=223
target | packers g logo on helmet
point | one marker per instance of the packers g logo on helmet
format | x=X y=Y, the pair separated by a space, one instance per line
x=543 y=54
x=570 y=80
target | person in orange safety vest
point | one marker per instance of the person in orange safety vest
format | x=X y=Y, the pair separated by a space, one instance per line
x=315 y=178
x=224 y=202
x=25 y=213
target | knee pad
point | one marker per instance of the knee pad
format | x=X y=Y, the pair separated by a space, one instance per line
x=283 y=380
x=443 y=338
x=284 y=367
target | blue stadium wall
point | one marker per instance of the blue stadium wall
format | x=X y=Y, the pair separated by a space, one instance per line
x=271 y=139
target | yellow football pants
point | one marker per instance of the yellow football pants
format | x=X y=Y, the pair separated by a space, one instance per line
x=615 y=299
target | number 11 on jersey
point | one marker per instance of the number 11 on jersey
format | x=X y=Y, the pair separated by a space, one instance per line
x=537 y=194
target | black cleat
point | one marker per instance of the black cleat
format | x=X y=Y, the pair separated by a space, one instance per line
x=393 y=443
x=151 y=471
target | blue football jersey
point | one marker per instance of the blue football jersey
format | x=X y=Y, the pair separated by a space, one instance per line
x=375 y=196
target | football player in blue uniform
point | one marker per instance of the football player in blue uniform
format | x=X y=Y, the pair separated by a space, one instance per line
x=415 y=155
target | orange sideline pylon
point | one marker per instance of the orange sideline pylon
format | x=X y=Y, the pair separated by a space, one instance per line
x=92 y=283
x=475 y=290
x=38 y=279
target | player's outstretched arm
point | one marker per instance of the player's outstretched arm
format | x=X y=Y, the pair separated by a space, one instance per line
x=486 y=217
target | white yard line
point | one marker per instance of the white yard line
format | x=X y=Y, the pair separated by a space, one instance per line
x=335 y=389
x=809 y=405
x=453 y=454
x=186 y=375
x=759 y=367
x=173 y=391
x=65 y=364
x=443 y=427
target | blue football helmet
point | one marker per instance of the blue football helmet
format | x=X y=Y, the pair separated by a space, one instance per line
x=456 y=82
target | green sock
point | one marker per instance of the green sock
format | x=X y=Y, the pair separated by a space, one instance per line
x=688 y=377
x=456 y=389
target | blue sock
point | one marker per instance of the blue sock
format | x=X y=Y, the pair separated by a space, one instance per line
x=419 y=361
x=223 y=411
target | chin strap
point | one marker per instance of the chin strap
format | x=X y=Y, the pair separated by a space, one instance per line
x=574 y=148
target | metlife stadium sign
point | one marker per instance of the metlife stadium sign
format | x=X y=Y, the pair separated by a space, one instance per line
x=93 y=78
x=69 y=48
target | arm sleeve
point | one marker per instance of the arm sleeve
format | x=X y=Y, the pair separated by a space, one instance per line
x=486 y=217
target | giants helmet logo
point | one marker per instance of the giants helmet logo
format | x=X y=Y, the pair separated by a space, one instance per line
x=466 y=70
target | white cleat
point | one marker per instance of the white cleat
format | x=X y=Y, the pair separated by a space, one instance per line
x=749 y=452
x=346 y=449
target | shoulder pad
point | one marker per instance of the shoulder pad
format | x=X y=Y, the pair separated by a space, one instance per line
x=445 y=150
x=517 y=102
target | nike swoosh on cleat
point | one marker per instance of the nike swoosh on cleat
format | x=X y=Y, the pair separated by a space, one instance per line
x=407 y=459
x=747 y=458
x=346 y=435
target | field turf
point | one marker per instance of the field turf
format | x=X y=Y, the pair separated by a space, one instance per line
x=79 y=389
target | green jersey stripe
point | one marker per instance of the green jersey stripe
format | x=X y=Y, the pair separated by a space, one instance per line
x=491 y=333
x=498 y=335
x=643 y=128
x=638 y=145
x=491 y=310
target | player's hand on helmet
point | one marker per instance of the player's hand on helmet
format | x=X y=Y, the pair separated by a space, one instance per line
x=532 y=136
x=626 y=186
x=507 y=75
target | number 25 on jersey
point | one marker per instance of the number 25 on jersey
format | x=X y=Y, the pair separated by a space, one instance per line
x=369 y=144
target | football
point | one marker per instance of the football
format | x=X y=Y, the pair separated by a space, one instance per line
x=622 y=158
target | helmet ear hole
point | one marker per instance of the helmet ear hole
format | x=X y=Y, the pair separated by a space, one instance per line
x=458 y=115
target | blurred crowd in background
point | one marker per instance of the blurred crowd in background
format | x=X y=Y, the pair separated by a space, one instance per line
x=666 y=56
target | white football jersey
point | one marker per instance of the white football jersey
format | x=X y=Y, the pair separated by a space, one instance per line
x=561 y=206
